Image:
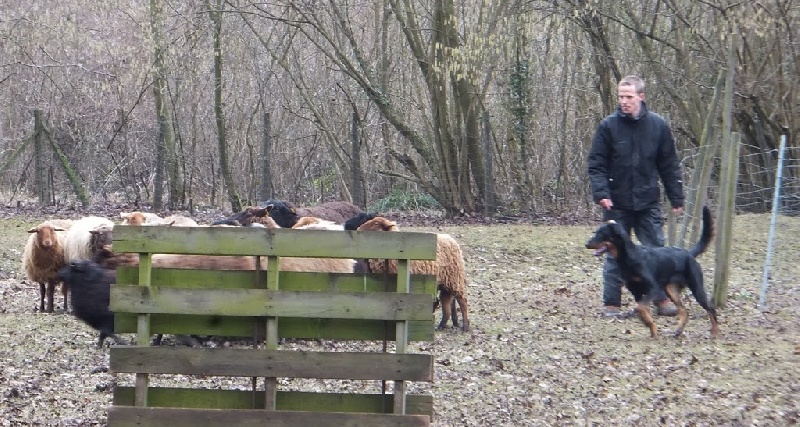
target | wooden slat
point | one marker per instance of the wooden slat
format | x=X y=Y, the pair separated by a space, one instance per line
x=171 y=417
x=172 y=397
x=288 y=327
x=257 y=302
x=289 y=280
x=271 y=363
x=280 y=242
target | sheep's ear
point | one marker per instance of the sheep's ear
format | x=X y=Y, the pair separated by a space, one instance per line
x=293 y=210
x=269 y=208
x=125 y=214
x=94 y=232
x=33 y=230
x=58 y=229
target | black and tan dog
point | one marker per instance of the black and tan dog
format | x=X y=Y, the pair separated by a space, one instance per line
x=642 y=268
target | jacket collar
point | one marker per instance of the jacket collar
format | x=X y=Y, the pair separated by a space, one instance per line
x=642 y=113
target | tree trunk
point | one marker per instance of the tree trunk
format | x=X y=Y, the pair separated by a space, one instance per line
x=38 y=156
x=265 y=189
x=222 y=144
x=166 y=157
x=359 y=198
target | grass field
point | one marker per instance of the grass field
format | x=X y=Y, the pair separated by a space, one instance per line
x=538 y=353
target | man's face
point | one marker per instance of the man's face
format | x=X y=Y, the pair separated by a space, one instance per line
x=629 y=101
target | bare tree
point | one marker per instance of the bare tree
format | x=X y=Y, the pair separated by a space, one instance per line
x=215 y=13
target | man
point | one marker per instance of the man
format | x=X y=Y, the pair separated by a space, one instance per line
x=632 y=149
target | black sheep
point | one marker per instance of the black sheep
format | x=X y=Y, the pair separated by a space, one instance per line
x=90 y=285
x=352 y=224
x=287 y=215
x=356 y=221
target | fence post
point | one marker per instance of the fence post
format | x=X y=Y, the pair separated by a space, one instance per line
x=725 y=214
x=401 y=338
x=271 y=336
x=143 y=327
x=772 y=222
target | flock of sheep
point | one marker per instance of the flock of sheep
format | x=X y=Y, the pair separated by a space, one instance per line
x=78 y=255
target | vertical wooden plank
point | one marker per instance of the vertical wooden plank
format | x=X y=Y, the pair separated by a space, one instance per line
x=401 y=338
x=258 y=281
x=143 y=328
x=271 y=336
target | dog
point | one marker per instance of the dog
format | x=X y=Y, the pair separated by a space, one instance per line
x=643 y=268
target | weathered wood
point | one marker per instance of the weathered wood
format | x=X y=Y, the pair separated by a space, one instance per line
x=230 y=326
x=271 y=336
x=289 y=280
x=258 y=302
x=280 y=242
x=143 y=328
x=401 y=338
x=266 y=304
x=171 y=417
x=271 y=363
x=286 y=400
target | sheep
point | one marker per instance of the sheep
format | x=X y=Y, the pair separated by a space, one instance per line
x=43 y=256
x=354 y=222
x=286 y=214
x=105 y=256
x=249 y=216
x=314 y=223
x=140 y=218
x=91 y=289
x=79 y=237
x=305 y=221
x=179 y=221
x=448 y=269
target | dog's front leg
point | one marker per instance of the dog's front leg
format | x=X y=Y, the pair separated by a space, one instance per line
x=643 y=310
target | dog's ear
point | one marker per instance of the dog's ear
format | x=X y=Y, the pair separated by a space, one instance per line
x=618 y=231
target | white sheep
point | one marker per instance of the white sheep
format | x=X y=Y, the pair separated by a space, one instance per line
x=43 y=257
x=316 y=223
x=79 y=236
x=448 y=269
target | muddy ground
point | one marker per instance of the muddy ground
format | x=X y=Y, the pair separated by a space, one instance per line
x=538 y=354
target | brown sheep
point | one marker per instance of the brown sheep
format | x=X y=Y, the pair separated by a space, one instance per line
x=43 y=257
x=448 y=269
x=286 y=214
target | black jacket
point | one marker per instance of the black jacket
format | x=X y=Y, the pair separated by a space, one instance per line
x=627 y=158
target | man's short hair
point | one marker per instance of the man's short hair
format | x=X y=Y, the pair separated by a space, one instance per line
x=635 y=81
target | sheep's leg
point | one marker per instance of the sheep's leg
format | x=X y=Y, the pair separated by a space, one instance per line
x=65 y=293
x=462 y=302
x=453 y=313
x=446 y=298
x=51 y=288
x=41 y=297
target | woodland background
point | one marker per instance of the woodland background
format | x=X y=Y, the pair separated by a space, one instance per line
x=472 y=107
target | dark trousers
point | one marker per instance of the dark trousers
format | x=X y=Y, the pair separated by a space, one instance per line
x=648 y=226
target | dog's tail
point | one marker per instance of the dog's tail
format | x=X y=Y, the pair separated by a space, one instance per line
x=705 y=235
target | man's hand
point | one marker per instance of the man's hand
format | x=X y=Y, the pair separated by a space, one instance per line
x=677 y=211
x=606 y=204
